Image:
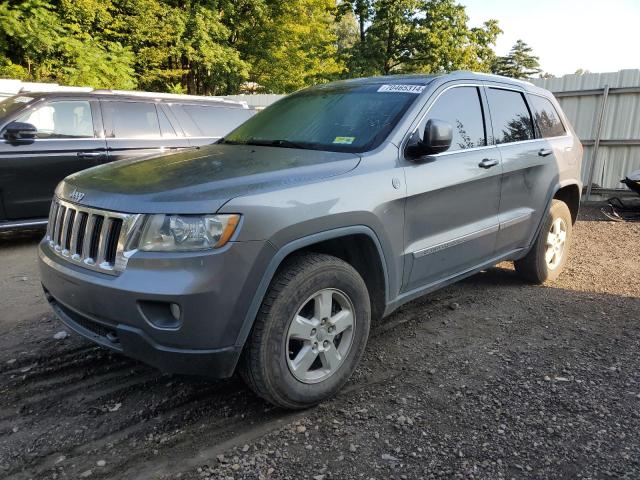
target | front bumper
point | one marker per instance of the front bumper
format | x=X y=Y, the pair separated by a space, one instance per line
x=213 y=290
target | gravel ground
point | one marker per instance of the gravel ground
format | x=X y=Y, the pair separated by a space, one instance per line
x=489 y=378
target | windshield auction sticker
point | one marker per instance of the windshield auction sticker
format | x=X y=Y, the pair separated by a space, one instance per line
x=344 y=140
x=402 y=88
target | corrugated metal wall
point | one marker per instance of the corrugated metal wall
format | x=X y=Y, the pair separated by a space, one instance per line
x=581 y=98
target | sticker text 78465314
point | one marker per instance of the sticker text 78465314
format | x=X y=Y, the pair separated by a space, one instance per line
x=417 y=89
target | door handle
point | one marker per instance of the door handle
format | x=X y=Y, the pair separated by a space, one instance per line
x=90 y=154
x=544 y=152
x=488 y=163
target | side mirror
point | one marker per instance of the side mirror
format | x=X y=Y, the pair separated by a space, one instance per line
x=437 y=138
x=19 y=131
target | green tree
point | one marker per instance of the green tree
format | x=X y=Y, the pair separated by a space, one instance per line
x=287 y=53
x=40 y=42
x=419 y=36
x=216 y=47
x=519 y=63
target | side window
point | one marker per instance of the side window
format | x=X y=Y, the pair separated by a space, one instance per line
x=462 y=108
x=61 y=119
x=216 y=121
x=132 y=119
x=546 y=117
x=166 y=129
x=510 y=116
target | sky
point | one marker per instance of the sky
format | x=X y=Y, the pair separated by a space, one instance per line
x=599 y=36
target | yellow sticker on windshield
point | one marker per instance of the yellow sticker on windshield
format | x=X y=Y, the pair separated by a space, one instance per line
x=344 y=140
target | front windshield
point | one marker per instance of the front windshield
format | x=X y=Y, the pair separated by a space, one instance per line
x=12 y=104
x=341 y=118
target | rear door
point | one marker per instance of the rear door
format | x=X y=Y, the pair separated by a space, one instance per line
x=529 y=163
x=136 y=128
x=204 y=124
x=69 y=139
x=451 y=218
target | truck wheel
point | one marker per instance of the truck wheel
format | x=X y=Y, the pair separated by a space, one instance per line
x=310 y=332
x=548 y=254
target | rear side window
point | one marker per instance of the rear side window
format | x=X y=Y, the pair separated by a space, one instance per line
x=132 y=120
x=510 y=116
x=462 y=108
x=61 y=119
x=214 y=121
x=166 y=128
x=546 y=116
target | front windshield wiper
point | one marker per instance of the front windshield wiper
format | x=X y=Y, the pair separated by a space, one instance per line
x=270 y=143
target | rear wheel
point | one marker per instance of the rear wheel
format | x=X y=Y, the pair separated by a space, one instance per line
x=310 y=332
x=546 y=259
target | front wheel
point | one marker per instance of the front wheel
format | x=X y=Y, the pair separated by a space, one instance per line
x=310 y=332
x=548 y=255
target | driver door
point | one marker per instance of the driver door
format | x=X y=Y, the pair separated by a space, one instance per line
x=453 y=198
x=67 y=140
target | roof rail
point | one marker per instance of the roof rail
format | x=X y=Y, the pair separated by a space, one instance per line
x=50 y=87
x=482 y=74
x=171 y=96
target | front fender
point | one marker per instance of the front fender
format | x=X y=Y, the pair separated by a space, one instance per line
x=294 y=246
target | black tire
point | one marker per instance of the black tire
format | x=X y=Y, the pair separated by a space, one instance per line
x=264 y=366
x=533 y=267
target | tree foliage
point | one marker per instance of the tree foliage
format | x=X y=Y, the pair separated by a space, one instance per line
x=430 y=36
x=229 y=46
x=519 y=63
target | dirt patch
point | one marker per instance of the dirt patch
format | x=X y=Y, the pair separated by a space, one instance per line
x=488 y=378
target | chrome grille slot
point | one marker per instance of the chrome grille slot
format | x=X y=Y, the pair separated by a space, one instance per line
x=91 y=238
x=78 y=236
x=53 y=213
x=68 y=228
x=115 y=225
x=95 y=237
x=59 y=224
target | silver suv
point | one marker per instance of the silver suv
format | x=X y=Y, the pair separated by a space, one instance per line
x=272 y=250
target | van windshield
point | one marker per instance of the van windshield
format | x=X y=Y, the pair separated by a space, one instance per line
x=13 y=104
x=340 y=118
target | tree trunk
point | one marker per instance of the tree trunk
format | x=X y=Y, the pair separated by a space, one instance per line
x=388 y=54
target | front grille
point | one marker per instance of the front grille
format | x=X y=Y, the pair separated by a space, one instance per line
x=92 y=238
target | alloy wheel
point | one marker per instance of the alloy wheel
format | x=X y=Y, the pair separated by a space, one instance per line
x=556 y=242
x=320 y=335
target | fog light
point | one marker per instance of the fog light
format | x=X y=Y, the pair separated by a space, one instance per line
x=174 y=308
x=165 y=315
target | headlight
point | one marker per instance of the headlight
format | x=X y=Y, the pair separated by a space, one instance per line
x=173 y=233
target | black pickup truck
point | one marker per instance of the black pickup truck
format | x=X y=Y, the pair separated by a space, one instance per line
x=46 y=136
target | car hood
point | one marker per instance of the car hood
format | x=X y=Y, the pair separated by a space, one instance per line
x=200 y=180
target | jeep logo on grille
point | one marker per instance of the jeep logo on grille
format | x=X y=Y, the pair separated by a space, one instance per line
x=76 y=195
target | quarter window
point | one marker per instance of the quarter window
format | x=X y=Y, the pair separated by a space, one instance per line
x=510 y=116
x=462 y=108
x=132 y=119
x=63 y=119
x=165 y=125
x=546 y=116
x=216 y=121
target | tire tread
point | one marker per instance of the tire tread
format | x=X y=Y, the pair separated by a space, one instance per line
x=251 y=364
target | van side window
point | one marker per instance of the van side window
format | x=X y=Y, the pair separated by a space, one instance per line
x=61 y=119
x=216 y=121
x=462 y=108
x=166 y=129
x=132 y=119
x=510 y=116
x=546 y=116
